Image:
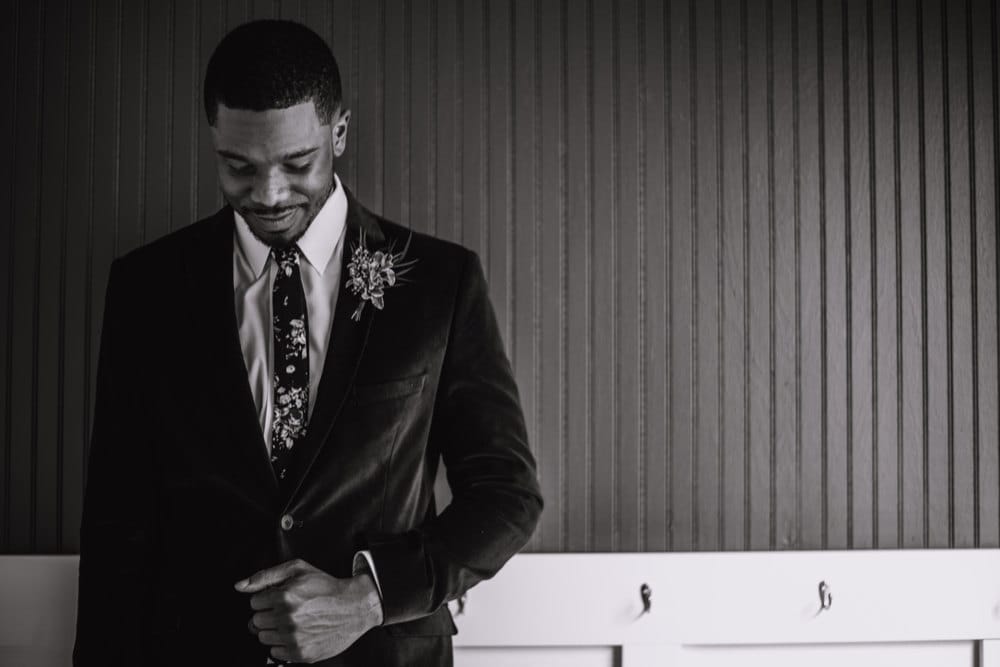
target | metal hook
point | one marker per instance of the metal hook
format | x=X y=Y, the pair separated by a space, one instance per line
x=646 y=593
x=825 y=597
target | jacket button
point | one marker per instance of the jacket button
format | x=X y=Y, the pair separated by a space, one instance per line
x=287 y=522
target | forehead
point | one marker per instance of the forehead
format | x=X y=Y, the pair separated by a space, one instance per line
x=264 y=135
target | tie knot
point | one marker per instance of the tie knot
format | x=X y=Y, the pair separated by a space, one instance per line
x=286 y=257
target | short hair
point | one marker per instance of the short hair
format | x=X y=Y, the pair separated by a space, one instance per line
x=272 y=64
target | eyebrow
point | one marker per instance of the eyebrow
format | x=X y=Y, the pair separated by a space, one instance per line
x=294 y=155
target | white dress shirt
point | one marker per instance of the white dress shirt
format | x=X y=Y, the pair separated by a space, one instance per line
x=254 y=269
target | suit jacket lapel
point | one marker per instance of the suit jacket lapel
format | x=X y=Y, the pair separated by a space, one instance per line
x=344 y=350
x=209 y=271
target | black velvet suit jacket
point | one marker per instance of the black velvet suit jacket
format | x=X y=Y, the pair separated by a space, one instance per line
x=181 y=501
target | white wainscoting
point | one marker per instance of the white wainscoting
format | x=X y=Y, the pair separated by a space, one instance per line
x=918 y=608
x=930 y=607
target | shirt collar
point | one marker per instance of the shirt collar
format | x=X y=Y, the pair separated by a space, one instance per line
x=317 y=243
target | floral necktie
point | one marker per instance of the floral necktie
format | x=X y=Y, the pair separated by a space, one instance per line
x=291 y=360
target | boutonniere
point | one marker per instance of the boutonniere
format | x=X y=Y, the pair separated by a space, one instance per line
x=370 y=273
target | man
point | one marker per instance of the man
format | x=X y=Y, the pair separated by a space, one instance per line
x=276 y=386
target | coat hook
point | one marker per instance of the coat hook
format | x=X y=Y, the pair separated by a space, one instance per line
x=825 y=597
x=646 y=593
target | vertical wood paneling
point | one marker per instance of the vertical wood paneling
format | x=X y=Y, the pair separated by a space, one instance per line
x=105 y=170
x=743 y=253
x=628 y=282
x=731 y=59
x=810 y=221
x=684 y=226
x=837 y=426
x=23 y=312
x=211 y=28
x=604 y=231
x=421 y=89
x=885 y=296
x=994 y=79
x=62 y=430
x=911 y=289
x=652 y=216
x=367 y=117
x=937 y=356
x=551 y=180
x=706 y=264
x=668 y=191
x=498 y=204
x=760 y=383
x=963 y=286
x=132 y=188
x=447 y=110
x=8 y=126
x=785 y=333
x=76 y=389
x=577 y=299
x=158 y=121
x=982 y=137
x=525 y=166
x=48 y=290
x=394 y=162
x=264 y=9
x=475 y=114
x=858 y=259
x=183 y=45
x=342 y=29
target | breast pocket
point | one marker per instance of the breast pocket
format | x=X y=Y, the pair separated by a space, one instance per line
x=364 y=394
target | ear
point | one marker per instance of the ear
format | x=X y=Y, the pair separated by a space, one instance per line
x=339 y=130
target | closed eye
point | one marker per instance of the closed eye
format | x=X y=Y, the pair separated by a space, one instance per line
x=240 y=169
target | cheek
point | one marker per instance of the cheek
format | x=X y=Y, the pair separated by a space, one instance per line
x=314 y=185
x=231 y=186
x=317 y=182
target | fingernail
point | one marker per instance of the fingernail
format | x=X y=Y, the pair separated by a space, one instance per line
x=243 y=583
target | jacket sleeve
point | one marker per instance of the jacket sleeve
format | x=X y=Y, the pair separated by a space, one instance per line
x=113 y=604
x=496 y=502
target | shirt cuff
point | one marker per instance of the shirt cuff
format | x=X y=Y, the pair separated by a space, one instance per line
x=363 y=563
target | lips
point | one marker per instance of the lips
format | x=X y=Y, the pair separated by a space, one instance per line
x=275 y=218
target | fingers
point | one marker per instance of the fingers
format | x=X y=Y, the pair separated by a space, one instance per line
x=271 y=638
x=283 y=647
x=283 y=654
x=269 y=599
x=271 y=576
x=264 y=620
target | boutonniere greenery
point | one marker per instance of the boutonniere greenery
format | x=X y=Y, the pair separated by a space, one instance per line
x=370 y=272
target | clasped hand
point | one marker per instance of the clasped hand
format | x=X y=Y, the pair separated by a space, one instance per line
x=306 y=615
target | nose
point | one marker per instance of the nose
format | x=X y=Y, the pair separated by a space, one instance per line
x=269 y=189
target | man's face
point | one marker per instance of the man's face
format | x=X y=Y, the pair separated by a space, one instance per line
x=276 y=166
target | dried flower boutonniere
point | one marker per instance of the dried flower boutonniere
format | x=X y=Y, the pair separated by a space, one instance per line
x=371 y=272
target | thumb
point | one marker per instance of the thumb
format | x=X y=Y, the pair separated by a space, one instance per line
x=270 y=577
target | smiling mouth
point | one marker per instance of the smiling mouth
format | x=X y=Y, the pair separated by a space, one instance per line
x=275 y=217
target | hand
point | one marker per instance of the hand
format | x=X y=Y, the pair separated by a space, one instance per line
x=305 y=614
